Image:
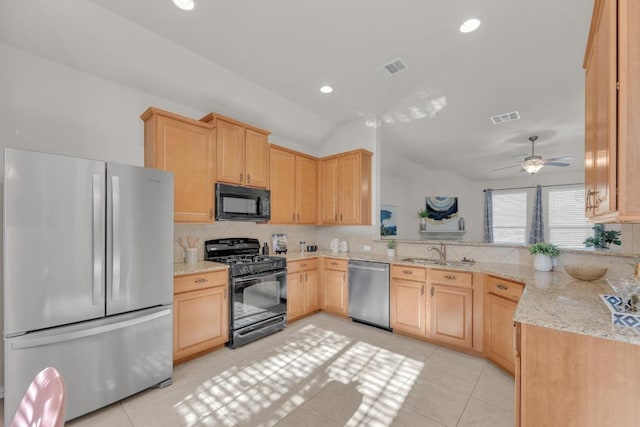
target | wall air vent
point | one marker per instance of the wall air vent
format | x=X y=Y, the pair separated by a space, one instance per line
x=391 y=68
x=504 y=118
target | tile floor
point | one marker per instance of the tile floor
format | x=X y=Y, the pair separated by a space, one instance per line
x=324 y=371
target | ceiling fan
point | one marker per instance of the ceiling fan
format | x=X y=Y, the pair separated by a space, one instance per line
x=533 y=163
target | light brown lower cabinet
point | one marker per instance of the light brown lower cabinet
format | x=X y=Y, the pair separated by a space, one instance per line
x=302 y=288
x=566 y=379
x=408 y=311
x=500 y=302
x=335 y=286
x=200 y=314
x=431 y=303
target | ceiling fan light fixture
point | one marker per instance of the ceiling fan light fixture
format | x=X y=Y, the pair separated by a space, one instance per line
x=533 y=166
x=326 y=89
x=185 y=4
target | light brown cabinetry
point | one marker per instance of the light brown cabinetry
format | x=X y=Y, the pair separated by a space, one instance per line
x=242 y=152
x=408 y=309
x=612 y=105
x=335 y=286
x=566 y=379
x=294 y=187
x=451 y=305
x=345 y=188
x=185 y=147
x=500 y=302
x=302 y=288
x=200 y=314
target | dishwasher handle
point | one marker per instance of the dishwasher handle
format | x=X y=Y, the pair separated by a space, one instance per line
x=362 y=267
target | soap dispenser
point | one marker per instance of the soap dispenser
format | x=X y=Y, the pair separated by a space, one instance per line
x=265 y=249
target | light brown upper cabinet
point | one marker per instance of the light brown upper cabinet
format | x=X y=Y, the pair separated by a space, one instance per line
x=294 y=187
x=345 y=188
x=242 y=152
x=612 y=106
x=185 y=147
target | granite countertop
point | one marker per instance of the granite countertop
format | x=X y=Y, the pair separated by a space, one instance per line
x=552 y=299
x=182 y=269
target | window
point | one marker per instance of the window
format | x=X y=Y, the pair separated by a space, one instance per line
x=510 y=217
x=567 y=224
x=563 y=209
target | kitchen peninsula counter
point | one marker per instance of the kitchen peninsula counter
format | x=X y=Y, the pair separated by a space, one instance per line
x=552 y=300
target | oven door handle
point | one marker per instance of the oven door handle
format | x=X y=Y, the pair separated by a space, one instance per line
x=251 y=278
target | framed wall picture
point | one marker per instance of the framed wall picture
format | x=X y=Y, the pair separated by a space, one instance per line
x=388 y=220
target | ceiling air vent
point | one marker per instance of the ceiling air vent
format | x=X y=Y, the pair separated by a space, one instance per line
x=391 y=68
x=504 y=118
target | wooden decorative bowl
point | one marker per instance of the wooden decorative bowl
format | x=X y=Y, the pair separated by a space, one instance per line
x=586 y=273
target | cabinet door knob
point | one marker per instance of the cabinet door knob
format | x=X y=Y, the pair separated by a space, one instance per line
x=248 y=177
x=241 y=175
x=422 y=290
x=432 y=291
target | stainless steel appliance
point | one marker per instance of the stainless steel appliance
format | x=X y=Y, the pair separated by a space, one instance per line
x=369 y=293
x=242 y=203
x=83 y=292
x=258 y=284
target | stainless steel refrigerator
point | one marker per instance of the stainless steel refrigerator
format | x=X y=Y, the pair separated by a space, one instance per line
x=88 y=277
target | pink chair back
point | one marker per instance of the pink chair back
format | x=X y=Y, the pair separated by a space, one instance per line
x=44 y=402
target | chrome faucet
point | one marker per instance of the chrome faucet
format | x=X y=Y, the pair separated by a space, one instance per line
x=442 y=251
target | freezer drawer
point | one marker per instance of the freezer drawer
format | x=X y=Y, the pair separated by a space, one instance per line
x=101 y=361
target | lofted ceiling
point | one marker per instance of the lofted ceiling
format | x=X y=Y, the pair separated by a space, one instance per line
x=526 y=57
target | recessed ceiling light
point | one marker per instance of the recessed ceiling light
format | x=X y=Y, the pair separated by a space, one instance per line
x=326 y=89
x=470 y=25
x=185 y=4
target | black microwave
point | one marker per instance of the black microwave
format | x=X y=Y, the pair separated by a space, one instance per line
x=235 y=203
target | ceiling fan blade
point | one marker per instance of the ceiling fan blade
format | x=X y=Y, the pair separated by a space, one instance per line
x=562 y=165
x=519 y=165
x=560 y=158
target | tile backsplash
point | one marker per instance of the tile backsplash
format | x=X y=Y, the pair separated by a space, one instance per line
x=361 y=236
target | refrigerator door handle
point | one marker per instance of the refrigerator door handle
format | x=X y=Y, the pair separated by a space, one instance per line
x=98 y=330
x=97 y=240
x=115 y=229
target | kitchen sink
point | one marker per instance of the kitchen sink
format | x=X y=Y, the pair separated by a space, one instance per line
x=448 y=263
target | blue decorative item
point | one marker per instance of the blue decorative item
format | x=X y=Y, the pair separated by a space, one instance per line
x=619 y=316
x=388 y=217
x=442 y=208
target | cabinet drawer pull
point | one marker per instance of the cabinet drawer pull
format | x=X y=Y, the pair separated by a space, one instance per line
x=334 y=263
x=409 y=272
x=201 y=280
x=303 y=265
x=432 y=291
x=450 y=277
x=502 y=287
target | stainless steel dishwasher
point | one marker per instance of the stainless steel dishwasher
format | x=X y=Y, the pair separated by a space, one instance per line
x=369 y=293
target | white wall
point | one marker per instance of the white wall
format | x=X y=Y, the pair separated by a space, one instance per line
x=406 y=184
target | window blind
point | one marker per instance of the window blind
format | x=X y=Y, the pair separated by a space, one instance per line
x=567 y=222
x=509 y=216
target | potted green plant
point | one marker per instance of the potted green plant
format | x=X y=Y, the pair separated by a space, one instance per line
x=604 y=239
x=543 y=252
x=422 y=214
x=391 y=248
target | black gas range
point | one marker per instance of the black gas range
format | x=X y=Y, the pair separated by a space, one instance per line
x=258 y=288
